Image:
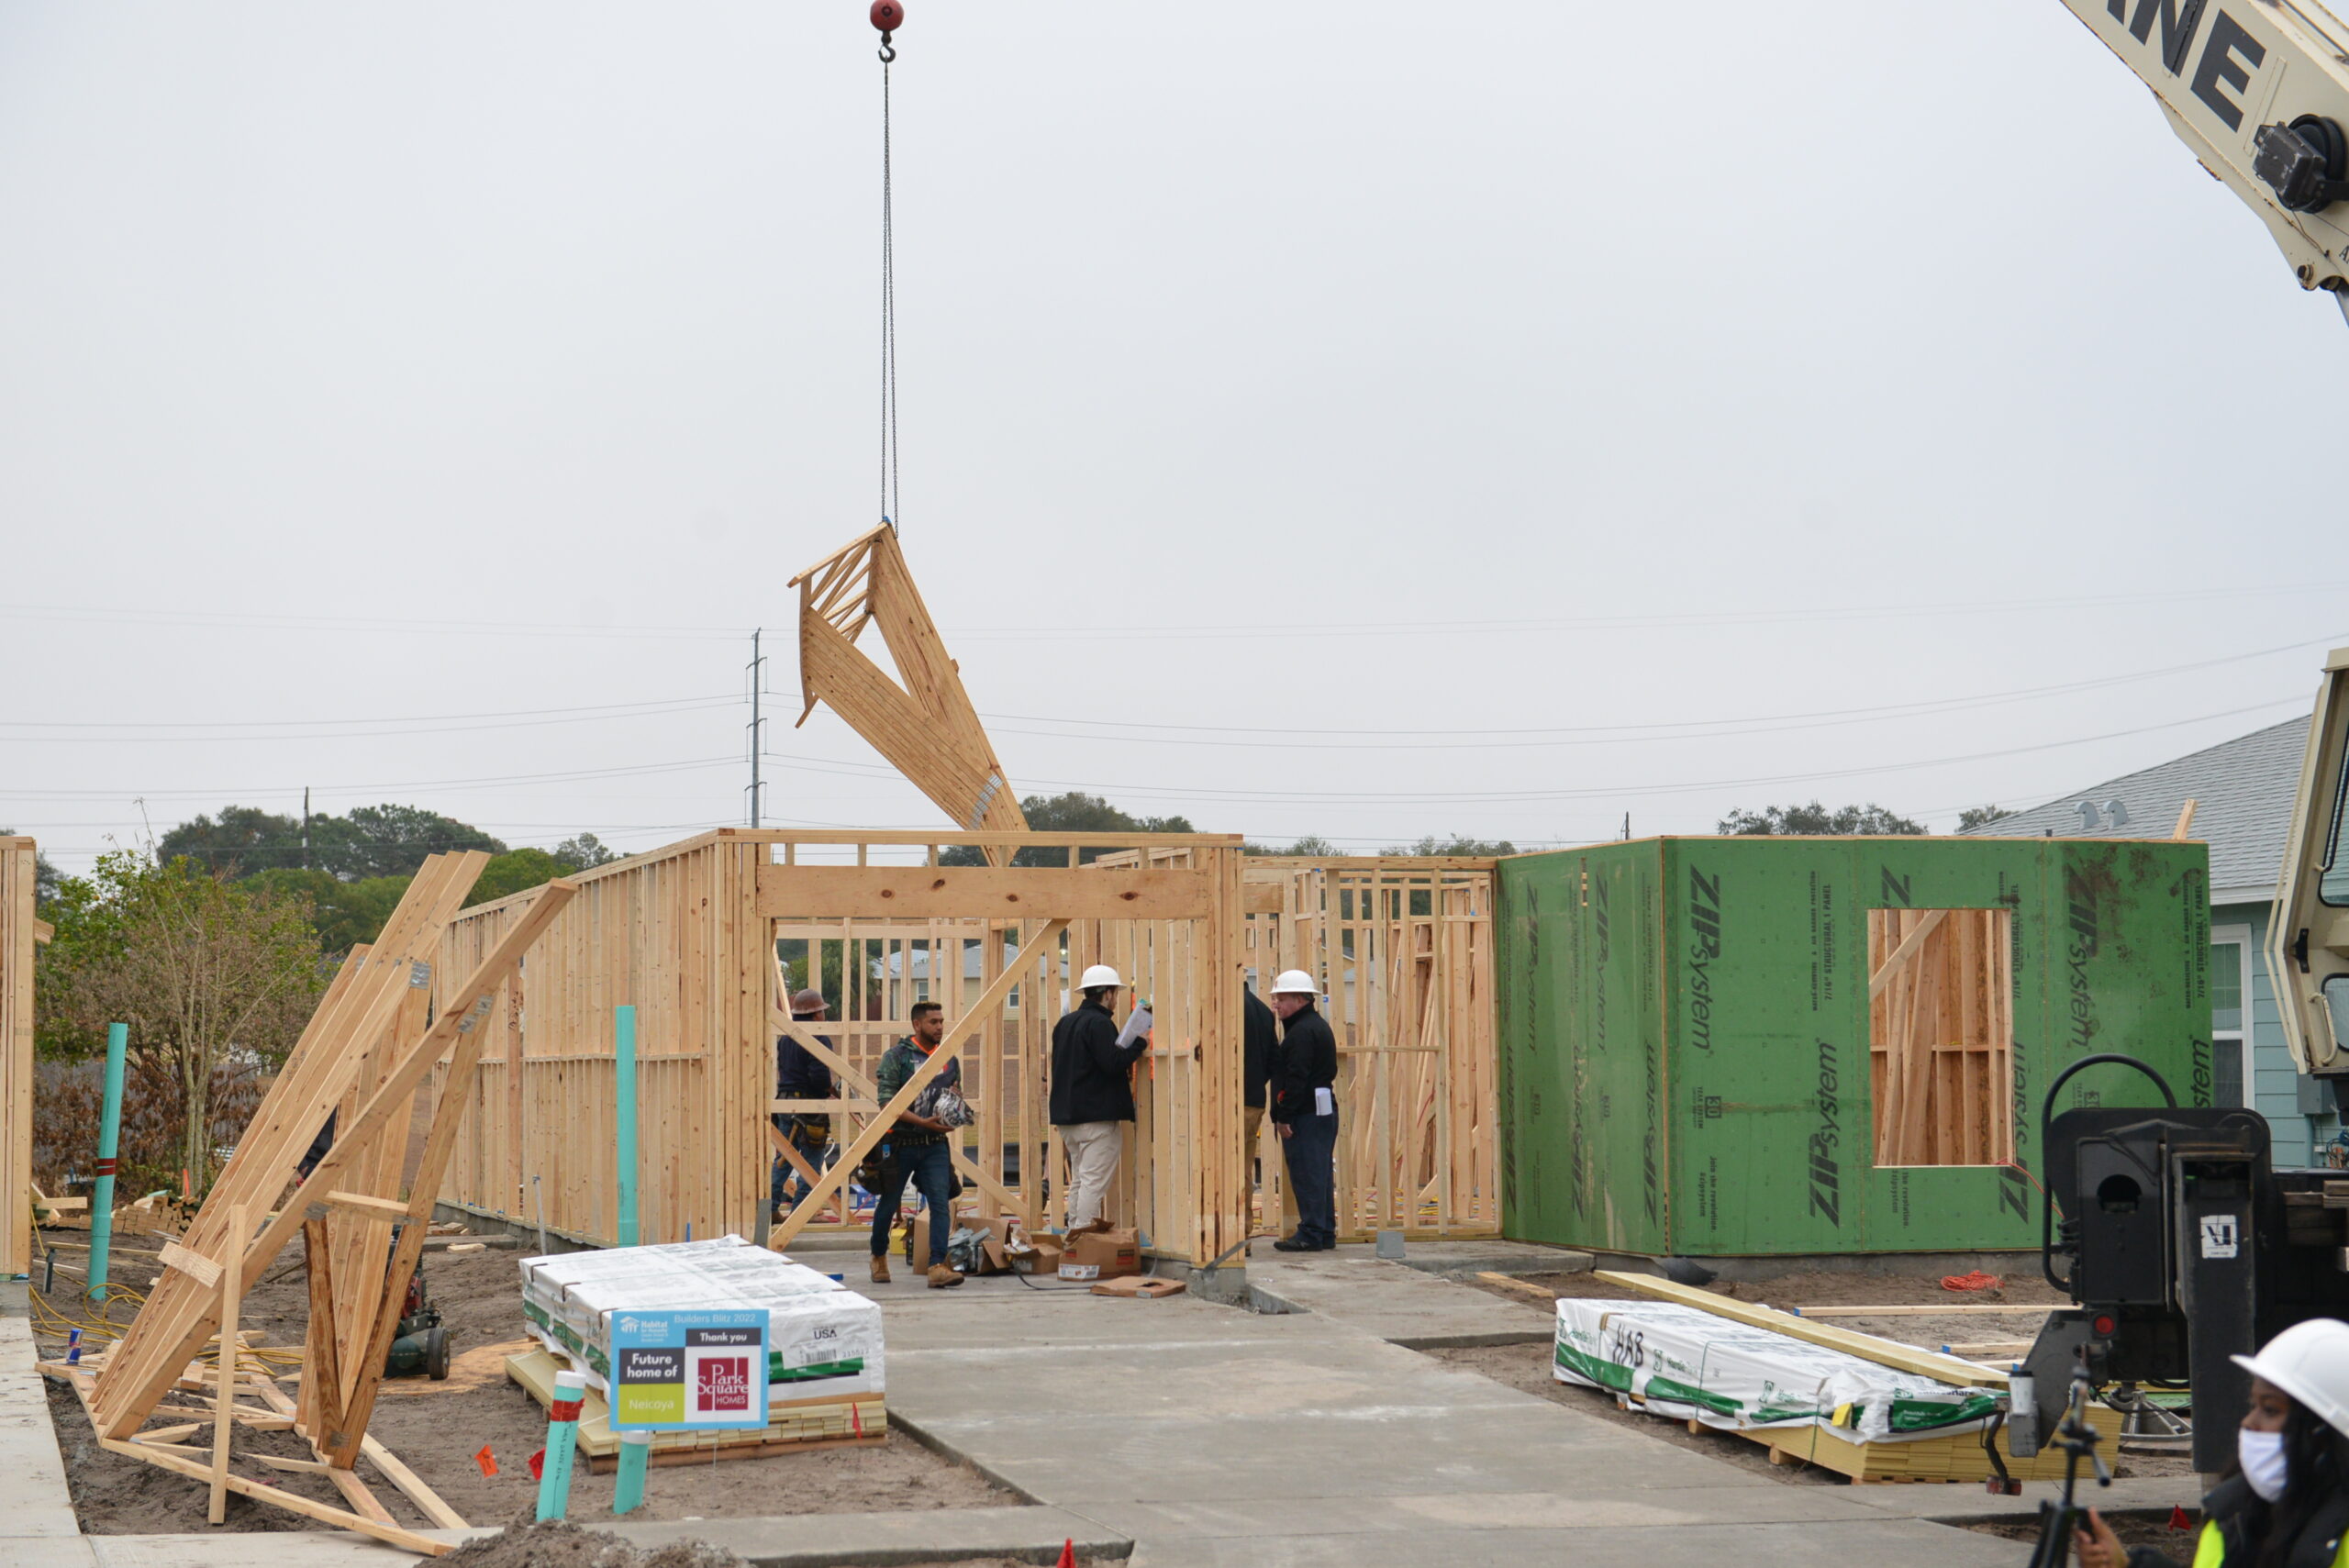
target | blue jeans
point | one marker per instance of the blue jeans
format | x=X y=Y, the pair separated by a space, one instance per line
x=1311 y=1149
x=931 y=1171
x=809 y=1136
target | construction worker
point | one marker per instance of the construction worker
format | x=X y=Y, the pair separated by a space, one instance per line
x=1093 y=1091
x=1305 y=1110
x=2288 y=1502
x=799 y=1075
x=915 y=1150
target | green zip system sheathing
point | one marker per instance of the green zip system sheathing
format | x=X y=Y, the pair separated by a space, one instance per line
x=1684 y=1023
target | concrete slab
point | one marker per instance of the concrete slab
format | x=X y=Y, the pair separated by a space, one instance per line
x=34 y=1502
x=799 y=1540
x=1750 y=1546
x=1954 y=1502
x=1419 y=1512
x=1212 y=1436
x=1460 y=1257
x=882 y=1541
x=279 y=1548
x=1399 y=1303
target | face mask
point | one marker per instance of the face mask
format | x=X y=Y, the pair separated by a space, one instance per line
x=2262 y=1456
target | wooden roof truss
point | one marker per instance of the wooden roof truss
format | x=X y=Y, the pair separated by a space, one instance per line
x=370 y=1049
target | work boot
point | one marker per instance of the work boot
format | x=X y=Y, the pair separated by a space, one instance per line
x=880 y=1269
x=1295 y=1244
x=942 y=1277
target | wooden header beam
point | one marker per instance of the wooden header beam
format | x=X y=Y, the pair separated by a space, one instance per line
x=920 y=893
x=1017 y=839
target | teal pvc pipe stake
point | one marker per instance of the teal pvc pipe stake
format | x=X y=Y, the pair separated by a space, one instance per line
x=562 y=1432
x=628 y=1495
x=109 y=1129
x=624 y=1037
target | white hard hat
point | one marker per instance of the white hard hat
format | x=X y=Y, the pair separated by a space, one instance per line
x=1296 y=982
x=1099 y=974
x=2309 y=1362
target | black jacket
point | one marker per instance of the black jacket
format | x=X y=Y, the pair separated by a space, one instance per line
x=1307 y=1060
x=1264 y=1037
x=2234 y=1510
x=798 y=1076
x=1092 y=1079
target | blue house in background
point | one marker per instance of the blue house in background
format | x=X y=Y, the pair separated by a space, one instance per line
x=2245 y=788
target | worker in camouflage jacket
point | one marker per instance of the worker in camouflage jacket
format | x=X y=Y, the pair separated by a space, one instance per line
x=916 y=1149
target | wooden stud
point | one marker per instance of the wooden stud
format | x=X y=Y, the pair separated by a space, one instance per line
x=225 y=1275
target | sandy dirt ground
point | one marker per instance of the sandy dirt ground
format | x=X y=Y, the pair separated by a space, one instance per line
x=1529 y=1366
x=436 y=1427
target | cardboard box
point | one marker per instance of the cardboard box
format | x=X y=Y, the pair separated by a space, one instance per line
x=1101 y=1254
x=1004 y=1241
x=1139 y=1288
x=1035 y=1255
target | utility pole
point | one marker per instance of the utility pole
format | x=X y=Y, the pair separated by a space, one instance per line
x=306 y=827
x=757 y=667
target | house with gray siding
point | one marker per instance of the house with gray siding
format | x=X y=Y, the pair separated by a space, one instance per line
x=2244 y=790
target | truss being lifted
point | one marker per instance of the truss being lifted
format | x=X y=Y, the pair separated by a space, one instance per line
x=368 y=1050
x=927 y=726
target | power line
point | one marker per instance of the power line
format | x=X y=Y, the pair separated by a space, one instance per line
x=118 y=616
x=1365 y=627
x=592 y=708
x=1378 y=627
x=1161 y=792
x=1699 y=728
x=501 y=724
x=492 y=781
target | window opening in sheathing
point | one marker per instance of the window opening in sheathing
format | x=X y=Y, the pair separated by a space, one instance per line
x=1941 y=1036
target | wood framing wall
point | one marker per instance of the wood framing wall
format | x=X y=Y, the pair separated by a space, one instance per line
x=1403 y=948
x=677 y=935
x=1941 y=1036
x=17 y=929
x=689 y=935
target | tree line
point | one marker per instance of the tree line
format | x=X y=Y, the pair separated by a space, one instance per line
x=214 y=947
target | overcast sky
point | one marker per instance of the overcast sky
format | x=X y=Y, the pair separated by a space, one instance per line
x=1284 y=387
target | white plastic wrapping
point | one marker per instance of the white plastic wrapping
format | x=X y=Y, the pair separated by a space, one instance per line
x=1685 y=1362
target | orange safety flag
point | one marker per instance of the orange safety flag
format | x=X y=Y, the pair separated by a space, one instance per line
x=486 y=1460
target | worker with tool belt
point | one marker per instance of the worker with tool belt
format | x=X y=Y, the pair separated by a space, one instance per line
x=916 y=1149
x=1093 y=1091
x=2287 y=1504
x=798 y=1076
x=1305 y=1109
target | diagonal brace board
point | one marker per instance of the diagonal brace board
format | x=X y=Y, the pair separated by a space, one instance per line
x=964 y=1166
x=1909 y=947
x=989 y=1002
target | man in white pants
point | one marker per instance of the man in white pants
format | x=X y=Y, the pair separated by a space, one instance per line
x=1093 y=1091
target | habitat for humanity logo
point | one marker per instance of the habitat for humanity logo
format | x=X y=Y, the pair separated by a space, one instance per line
x=721 y=1383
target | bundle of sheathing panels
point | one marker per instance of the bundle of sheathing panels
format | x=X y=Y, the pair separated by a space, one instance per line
x=1690 y=1364
x=823 y=1341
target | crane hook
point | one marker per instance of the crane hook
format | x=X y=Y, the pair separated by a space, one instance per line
x=887 y=16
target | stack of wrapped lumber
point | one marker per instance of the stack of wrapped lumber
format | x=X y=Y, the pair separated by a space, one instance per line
x=1807 y=1402
x=825 y=1365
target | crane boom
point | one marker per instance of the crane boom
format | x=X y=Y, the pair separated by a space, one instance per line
x=2259 y=90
